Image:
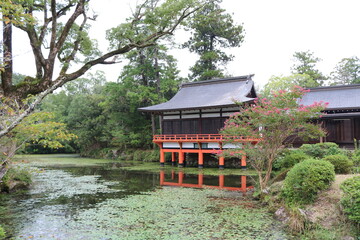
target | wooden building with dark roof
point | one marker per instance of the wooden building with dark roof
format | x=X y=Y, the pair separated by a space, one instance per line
x=341 y=117
x=191 y=120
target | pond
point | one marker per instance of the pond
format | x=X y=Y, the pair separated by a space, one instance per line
x=77 y=198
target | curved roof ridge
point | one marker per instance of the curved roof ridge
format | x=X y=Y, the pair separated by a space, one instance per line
x=209 y=94
x=218 y=80
x=334 y=87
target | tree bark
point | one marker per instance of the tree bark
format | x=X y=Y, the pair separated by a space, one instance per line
x=6 y=74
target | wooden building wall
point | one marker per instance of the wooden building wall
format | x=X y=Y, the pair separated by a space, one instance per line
x=342 y=131
x=208 y=121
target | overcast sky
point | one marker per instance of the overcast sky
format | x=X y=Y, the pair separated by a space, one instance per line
x=274 y=30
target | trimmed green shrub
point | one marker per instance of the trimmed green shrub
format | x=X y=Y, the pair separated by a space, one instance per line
x=356 y=158
x=356 y=161
x=350 y=200
x=306 y=179
x=289 y=159
x=320 y=150
x=341 y=163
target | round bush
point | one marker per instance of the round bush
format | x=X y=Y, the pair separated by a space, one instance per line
x=350 y=200
x=341 y=163
x=306 y=179
x=292 y=158
x=320 y=150
x=356 y=160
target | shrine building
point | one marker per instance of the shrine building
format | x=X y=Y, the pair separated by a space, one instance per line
x=192 y=119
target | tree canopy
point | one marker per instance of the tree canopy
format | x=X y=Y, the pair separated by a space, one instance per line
x=213 y=30
x=305 y=63
x=347 y=71
x=277 y=83
x=57 y=32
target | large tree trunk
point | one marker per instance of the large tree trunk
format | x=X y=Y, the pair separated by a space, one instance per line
x=6 y=74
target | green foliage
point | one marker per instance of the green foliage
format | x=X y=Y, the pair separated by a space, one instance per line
x=342 y=163
x=2 y=233
x=305 y=63
x=320 y=233
x=145 y=155
x=152 y=155
x=18 y=11
x=320 y=150
x=350 y=200
x=289 y=159
x=272 y=121
x=306 y=179
x=277 y=83
x=138 y=155
x=41 y=129
x=347 y=71
x=17 y=174
x=213 y=31
x=105 y=115
x=356 y=161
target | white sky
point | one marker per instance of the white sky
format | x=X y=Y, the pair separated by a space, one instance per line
x=274 y=30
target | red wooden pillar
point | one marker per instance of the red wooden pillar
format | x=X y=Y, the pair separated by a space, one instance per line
x=162 y=157
x=181 y=156
x=201 y=160
x=221 y=162
x=173 y=158
x=221 y=181
x=243 y=161
x=200 y=180
x=181 y=159
x=243 y=183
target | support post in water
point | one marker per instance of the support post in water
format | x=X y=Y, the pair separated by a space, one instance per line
x=162 y=158
x=243 y=161
x=221 y=162
x=181 y=159
x=173 y=158
x=201 y=160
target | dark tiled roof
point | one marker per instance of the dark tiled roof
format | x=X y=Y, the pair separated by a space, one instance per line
x=338 y=97
x=207 y=94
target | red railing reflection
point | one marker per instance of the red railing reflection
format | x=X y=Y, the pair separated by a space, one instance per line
x=200 y=183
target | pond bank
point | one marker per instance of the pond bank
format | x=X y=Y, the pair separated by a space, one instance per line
x=75 y=198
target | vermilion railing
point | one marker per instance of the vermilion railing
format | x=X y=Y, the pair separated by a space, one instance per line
x=199 y=138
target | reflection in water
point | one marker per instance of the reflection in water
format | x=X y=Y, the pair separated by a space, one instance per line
x=181 y=182
x=105 y=202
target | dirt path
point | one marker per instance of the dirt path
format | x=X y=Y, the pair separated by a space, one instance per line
x=325 y=210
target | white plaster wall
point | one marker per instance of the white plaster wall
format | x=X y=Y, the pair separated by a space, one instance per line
x=235 y=109
x=171 y=117
x=188 y=145
x=190 y=111
x=230 y=145
x=213 y=145
x=170 y=145
x=190 y=116
x=204 y=115
x=227 y=114
x=211 y=110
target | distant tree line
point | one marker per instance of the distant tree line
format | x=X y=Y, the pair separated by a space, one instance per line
x=305 y=73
